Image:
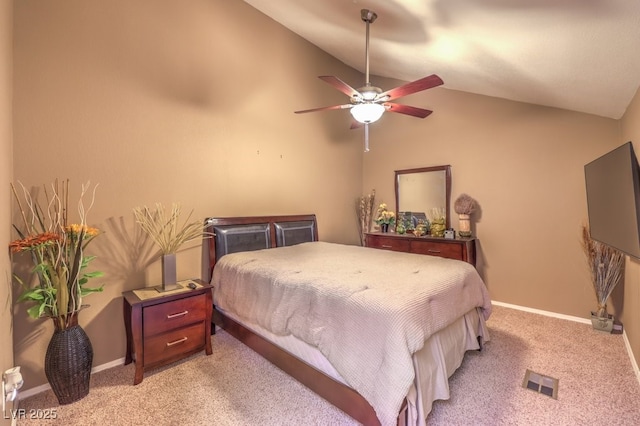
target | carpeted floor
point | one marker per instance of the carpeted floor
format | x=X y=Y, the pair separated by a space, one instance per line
x=235 y=386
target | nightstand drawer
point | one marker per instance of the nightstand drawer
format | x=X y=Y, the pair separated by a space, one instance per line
x=451 y=251
x=387 y=243
x=167 y=316
x=172 y=344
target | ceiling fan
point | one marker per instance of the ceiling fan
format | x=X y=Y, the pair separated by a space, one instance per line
x=368 y=103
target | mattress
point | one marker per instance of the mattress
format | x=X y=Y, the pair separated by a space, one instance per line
x=441 y=355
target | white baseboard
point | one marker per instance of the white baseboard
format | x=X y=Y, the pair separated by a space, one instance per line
x=634 y=364
x=627 y=345
x=46 y=386
x=541 y=312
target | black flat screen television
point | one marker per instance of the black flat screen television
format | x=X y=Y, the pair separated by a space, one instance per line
x=613 y=199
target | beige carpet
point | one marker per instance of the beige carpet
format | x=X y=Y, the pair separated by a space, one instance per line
x=235 y=386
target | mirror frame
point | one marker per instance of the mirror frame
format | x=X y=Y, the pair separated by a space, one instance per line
x=446 y=169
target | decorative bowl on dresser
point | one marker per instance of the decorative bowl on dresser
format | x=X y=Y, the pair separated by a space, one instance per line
x=165 y=327
x=459 y=248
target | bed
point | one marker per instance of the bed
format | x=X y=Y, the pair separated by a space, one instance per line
x=336 y=318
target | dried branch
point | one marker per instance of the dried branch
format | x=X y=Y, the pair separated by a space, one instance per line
x=364 y=212
x=165 y=230
x=605 y=267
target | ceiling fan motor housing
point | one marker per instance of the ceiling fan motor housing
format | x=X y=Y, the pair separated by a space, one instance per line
x=366 y=93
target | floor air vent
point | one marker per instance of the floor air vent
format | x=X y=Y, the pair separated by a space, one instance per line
x=540 y=383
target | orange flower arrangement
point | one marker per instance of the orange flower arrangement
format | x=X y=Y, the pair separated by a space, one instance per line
x=33 y=241
x=57 y=250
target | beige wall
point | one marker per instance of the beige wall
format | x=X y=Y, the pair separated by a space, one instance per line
x=630 y=125
x=188 y=102
x=6 y=142
x=192 y=102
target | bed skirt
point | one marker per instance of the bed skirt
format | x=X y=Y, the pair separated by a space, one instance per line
x=441 y=355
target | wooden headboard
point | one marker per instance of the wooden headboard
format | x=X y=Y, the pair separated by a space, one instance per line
x=234 y=234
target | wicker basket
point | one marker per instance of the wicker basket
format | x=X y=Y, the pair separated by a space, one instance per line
x=67 y=364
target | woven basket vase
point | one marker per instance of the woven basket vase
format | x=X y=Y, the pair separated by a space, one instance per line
x=67 y=363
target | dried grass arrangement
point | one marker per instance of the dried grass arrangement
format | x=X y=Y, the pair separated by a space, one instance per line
x=165 y=228
x=364 y=213
x=605 y=266
x=464 y=204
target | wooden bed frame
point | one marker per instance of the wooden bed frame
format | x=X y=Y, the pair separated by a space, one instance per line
x=232 y=234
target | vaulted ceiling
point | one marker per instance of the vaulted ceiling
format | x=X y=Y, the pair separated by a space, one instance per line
x=581 y=55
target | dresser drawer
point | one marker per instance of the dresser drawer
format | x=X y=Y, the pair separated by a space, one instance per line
x=167 y=316
x=459 y=248
x=387 y=243
x=173 y=343
x=433 y=248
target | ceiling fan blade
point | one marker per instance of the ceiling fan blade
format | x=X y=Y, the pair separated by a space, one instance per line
x=413 y=87
x=408 y=110
x=327 y=108
x=340 y=85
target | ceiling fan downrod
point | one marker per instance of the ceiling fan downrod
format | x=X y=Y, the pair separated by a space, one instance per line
x=368 y=17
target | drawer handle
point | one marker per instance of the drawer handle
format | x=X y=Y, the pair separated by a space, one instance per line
x=175 y=342
x=434 y=251
x=179 y=314
x=386 y=246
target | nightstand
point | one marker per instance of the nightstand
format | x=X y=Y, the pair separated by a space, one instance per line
x=166 y=327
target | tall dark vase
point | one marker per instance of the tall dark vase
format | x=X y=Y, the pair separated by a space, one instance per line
x=67 y=363
x=384 y=227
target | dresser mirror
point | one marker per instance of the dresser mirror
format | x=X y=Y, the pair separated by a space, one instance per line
x=420 y=190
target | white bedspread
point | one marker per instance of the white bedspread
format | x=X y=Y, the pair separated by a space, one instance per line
x=367 y=310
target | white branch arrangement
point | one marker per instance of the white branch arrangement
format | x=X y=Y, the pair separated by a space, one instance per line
x=436 y=213
x=166 y=230
x=364 y=213
x=605 y=266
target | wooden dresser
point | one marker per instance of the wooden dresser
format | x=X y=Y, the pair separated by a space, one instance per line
x=165 y=327
x=459 y=248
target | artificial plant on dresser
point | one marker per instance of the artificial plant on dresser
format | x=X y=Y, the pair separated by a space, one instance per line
x=54 y=240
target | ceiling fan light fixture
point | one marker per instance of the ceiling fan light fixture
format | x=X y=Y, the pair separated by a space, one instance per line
x=367 y=112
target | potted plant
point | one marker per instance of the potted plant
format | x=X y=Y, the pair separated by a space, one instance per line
x=464 y=206
x=385 y=218
x=57 y=247
x=605 y=267
x=169 y=234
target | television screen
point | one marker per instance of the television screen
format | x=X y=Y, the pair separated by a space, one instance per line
x=613 y=196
